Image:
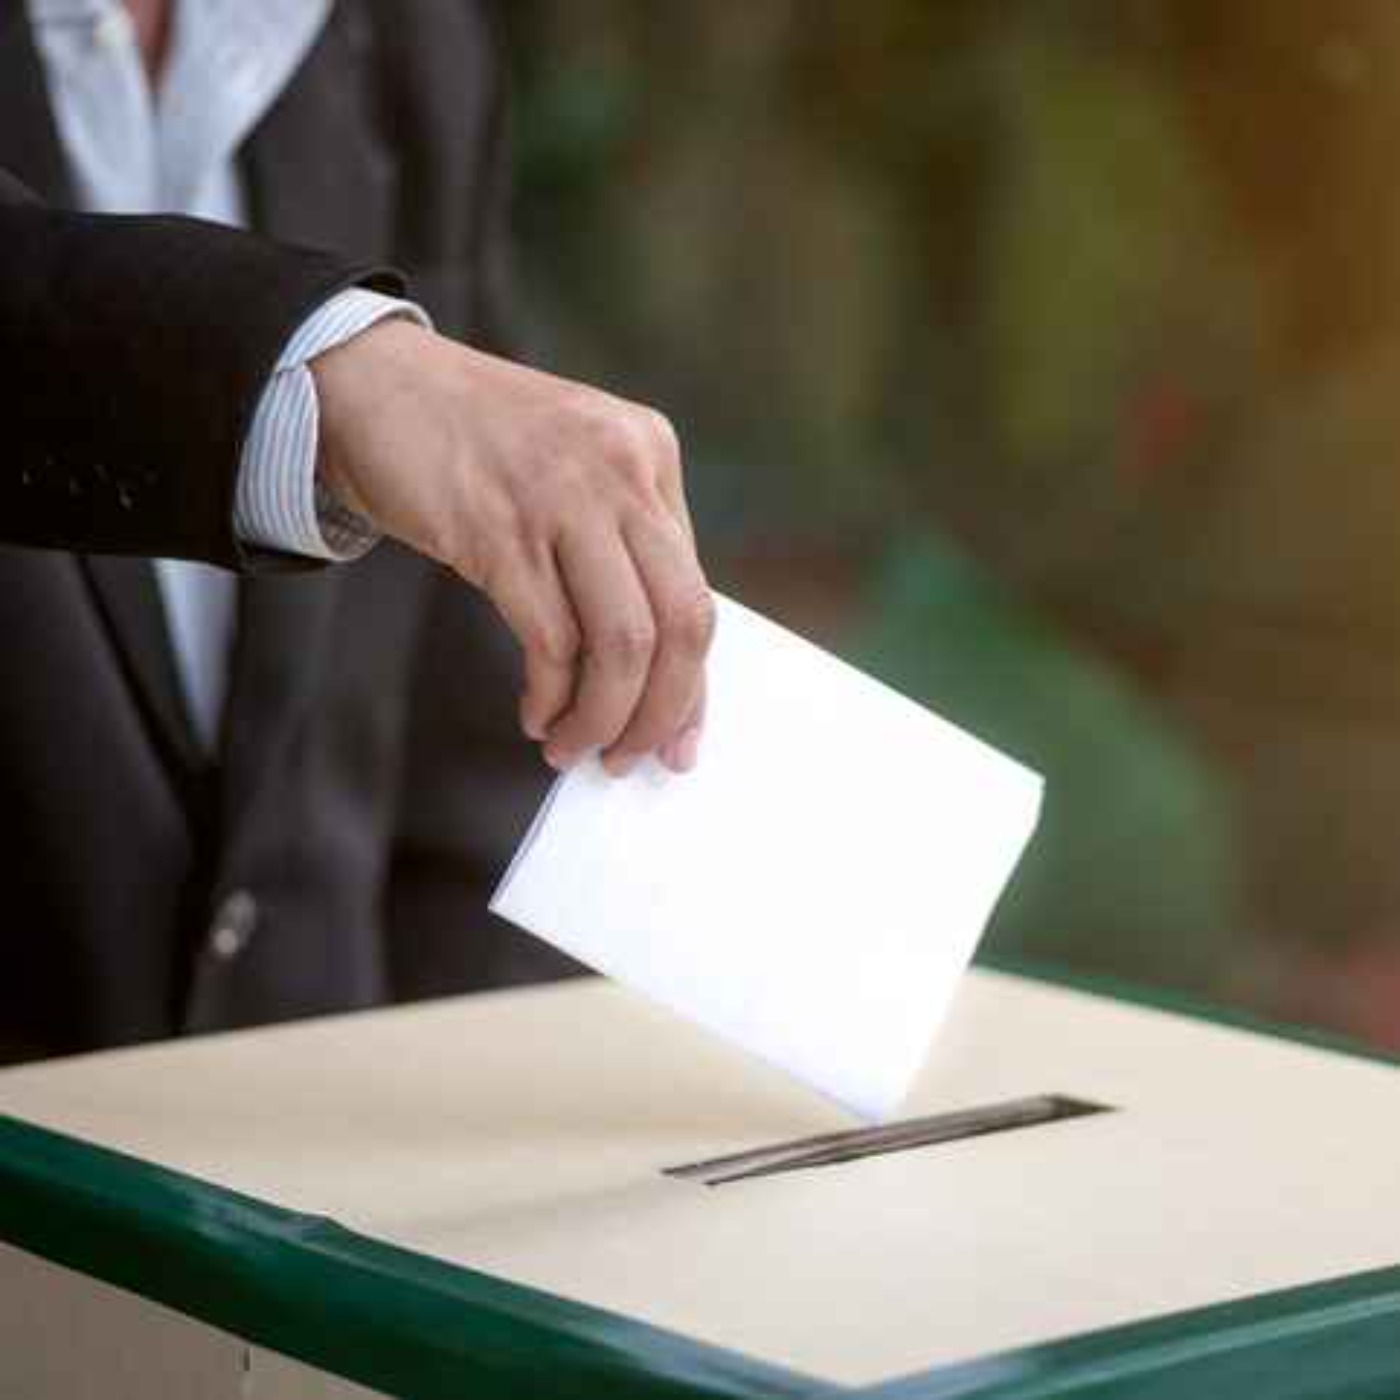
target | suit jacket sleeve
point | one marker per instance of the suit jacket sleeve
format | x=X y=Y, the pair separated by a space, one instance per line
x=133 y=351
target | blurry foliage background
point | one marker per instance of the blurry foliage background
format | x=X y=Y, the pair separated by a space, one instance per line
x=1040 y=357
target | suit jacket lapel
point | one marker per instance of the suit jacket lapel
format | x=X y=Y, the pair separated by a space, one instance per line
x=317 y=168
x=127 y=597
x=29 y=143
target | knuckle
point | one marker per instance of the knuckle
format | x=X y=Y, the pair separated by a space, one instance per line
x=614 y=435
x=556 y=645
x=663 y=433
x=626 y=444
x=634 y=469
x=692 y=625
x=628 y=644
x=637 y=444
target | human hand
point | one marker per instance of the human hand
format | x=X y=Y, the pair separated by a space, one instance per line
x=564 y=504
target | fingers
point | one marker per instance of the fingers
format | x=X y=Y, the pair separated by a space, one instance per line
x=645 y=620
x=681 y=753
x=532 y=601
x=581 y=535
x=617 y=636
x=669 y=707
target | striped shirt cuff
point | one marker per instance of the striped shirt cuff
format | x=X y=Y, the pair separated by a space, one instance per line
x=281 y=503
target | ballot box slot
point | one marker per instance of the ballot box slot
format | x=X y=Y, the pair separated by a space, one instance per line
x=831 y=1149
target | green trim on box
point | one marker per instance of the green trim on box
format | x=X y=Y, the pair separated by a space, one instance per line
x=397 y=1321
x=1179 y=1003
x=419 y=1328
x=1338 y=1340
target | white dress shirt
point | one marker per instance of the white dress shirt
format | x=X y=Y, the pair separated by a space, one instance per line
x=132 y=149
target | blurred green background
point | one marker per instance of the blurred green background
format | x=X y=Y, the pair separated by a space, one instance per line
x=1040 y=357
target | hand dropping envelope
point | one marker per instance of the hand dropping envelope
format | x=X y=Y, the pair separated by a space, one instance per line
x=813 y=891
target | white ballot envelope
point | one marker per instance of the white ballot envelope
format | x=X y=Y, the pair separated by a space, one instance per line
x=813 y=891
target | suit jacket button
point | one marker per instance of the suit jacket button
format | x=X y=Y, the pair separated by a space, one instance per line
x=233 y=926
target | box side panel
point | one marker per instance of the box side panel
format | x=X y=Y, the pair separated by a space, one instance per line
x=64 y=1336
x=274 y=1377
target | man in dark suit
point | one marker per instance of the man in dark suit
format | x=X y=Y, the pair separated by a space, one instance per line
x=330 y=851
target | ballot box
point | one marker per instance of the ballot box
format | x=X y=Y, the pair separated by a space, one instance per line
x=565 y=1191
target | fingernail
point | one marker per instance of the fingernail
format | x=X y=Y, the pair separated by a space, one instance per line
x=558 y=759
x=619 y=765
x=684 y=751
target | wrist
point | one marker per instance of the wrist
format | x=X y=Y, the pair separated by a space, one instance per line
x=357 y=385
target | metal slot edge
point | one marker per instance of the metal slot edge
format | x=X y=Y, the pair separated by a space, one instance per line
x=828 y=1149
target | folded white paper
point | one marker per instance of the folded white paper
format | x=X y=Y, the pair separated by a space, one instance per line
x=813 y=891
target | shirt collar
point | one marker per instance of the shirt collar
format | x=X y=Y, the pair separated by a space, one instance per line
x=260 y=21
x=69 y=11
x=229 y=62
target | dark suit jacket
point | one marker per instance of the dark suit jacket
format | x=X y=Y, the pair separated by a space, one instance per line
x=339 y=849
